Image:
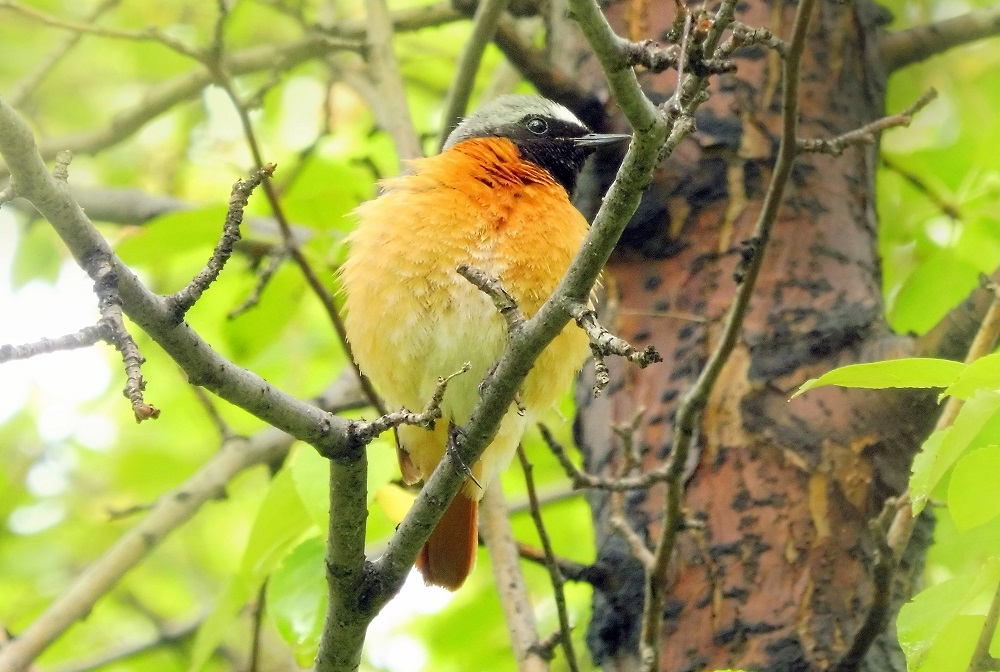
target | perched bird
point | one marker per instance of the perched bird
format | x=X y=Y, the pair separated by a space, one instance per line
x=496 y=198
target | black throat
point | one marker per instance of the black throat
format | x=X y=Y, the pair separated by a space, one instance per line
x=559 y=157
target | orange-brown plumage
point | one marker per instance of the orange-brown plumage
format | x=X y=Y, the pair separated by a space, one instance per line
x=411 y=318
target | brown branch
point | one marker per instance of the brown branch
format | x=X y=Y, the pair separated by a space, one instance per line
x=597 y=575
x=184 y=299
x=315 y=284
x=519 y=617
x=867 y=134
x=906 y=47
x=555 y=575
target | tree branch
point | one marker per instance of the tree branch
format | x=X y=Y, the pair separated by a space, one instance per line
x=555 y=575
x=162 y=97
x=906 y=47
x=484 y=26
x=518 y=614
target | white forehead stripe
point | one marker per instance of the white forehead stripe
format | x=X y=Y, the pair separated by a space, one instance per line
x=560 y=112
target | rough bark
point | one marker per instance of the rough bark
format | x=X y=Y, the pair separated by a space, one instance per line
x=780 y=576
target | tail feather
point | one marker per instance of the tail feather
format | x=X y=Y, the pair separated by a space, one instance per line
x=450 y=552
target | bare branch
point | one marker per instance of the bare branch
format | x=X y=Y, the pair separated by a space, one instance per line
x=365 y=432
x=109 y=302
x=604 y=343
x=150 y=34
x=555 y=575
x=981 y=658
x=484 y=26
x=238 y=199
x=519 y=616
x=867 y=134
x=346 y=35
x=385 y=74
x=84 y=338
x=906 y=47
x=918 y=183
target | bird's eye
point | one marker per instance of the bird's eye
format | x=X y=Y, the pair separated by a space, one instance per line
x=537 y=125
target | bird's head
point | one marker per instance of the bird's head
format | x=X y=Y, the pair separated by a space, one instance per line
x=544 y=132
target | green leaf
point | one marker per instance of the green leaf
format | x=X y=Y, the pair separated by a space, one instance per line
x=325 y=192
x=912 y=372
x=281 y=523
x=972 y=491
x=310 y=473
x=38 y=255
x=942 y=449
x=984 y=373
x=938 y=628
x=171 y=234
x=296 y=599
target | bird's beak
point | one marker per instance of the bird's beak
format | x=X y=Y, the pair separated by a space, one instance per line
x=595 y=140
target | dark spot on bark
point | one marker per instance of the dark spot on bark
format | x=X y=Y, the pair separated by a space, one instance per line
x=685 y=332
x=651 y=282
x=641 y=335
x=661 y=306
x=786 y=655
x=668 y=396
x=672 y=608
x=741 y=500
x=741 y=595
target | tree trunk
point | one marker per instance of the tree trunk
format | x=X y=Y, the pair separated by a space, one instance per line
x=780 y=575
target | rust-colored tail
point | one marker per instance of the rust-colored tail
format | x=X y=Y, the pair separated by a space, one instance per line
x=447 y=557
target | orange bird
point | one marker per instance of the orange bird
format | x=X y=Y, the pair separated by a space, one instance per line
x=496 y=198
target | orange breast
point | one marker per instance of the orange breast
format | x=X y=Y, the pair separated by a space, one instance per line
x=411 y=318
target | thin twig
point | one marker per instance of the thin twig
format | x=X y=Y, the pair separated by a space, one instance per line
x=184 y=299
x=29 y=83
x=981 y=658
x=315 y=284
x=84 y=338
x=109 y=303
x=918 y=183
x=173 y=636
x=384 y=72
x=597 y=575
x=257 y=628
x=604 y=343
x=456 y=101
x=150 y=34
x=867 y=134
x=555 y=575
x=365 y=432
x=346 y=35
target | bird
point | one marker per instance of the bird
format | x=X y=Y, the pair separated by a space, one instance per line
x=497 y=198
